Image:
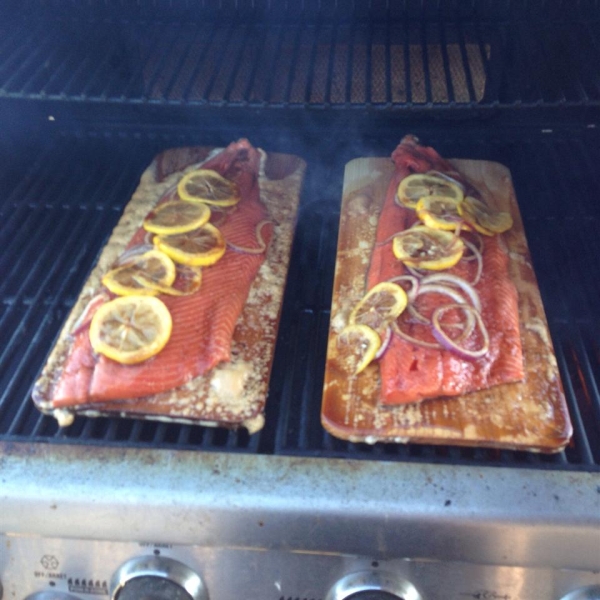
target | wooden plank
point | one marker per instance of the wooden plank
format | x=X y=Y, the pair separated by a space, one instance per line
x=529 y=415
x=232 y=393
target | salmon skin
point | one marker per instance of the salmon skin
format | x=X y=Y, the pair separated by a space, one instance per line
x=203 y=322
x=411 y=373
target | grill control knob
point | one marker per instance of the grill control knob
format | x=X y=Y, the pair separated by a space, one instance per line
x=588 y=593
x=156 y=578
x=373 y=585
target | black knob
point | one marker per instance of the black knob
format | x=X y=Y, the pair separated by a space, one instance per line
x=374 y=595
x=152 y=588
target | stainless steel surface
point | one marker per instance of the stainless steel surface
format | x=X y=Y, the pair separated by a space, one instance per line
x=84 y=568
x=529 y=518
x=161 y=567
x=373 y=581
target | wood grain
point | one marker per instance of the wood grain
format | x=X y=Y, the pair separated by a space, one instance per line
x=253 y=344
x=529 y=415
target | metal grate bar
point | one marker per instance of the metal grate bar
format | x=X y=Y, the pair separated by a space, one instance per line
x=580 y=439
x=466 y=63
x=249 y=33
x=193 y=41
x=19 y=51
x=222 y=63
x=34 y=61
x=198 y=66
x=36 y=79
x=270 y=81
x=330 y=64
x=351 y=42
x=162 y=57
x=94 y=77
x=153 y=61
x=446 y=63
x=313 y=53
x=425 y=59
x=231 y=56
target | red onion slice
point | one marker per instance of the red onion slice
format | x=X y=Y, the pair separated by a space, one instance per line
x=445 y=290
x=457 y=281
x=414 y=285
x=477 y=255
x=412 y=340
x=132 y=252
x=262 y=245
x=454 y=345
x=447 y=177
x=91 y=307
x=385 y=342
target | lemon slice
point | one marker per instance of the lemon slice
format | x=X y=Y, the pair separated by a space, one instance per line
x=176 y=216
x=439 y=212
x=131 y=329
x=201 y=247
x=416 y=186
x=357 y=347
x=426 y=248
x=153 y=265
x=382 y=304
x=482 y=218
x=205 y=185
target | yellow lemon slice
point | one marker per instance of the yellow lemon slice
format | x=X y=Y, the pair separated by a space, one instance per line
x=426 y=248
x=382 y=304
x=439 y=212
x=201 y=247
x=176 y=217
x=131 y=329
x=416 y=186
x=205 y=185
x=357 y=347
x=153 y=265
x=482 y=218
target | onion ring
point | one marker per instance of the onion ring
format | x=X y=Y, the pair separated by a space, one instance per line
x=459 y=282
x=262 y=244
x=453 y=345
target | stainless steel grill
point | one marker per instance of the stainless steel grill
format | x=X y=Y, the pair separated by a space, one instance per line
x=89 y=94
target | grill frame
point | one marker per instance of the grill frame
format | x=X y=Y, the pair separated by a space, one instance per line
x=66 y=102
x=77 y=133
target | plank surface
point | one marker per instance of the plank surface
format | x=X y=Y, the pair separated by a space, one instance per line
x=232 y=393
x=529 y=415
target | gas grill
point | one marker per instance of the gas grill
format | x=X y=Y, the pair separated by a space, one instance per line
x=89 y=94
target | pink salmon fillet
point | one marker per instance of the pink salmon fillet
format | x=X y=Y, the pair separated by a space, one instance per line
x=411 y=373
x=203 y=322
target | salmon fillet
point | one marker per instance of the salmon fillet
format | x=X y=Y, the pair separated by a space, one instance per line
x=203 y=323
x=411 y=373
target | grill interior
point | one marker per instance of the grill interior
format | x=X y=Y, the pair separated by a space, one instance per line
x=88 y=95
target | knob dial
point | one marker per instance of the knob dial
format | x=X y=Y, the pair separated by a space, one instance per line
x=588 y=593
x=156 y=578
x=369 y=595
x=373 y=585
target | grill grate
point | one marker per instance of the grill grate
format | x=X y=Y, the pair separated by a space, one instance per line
x=399 y=60
x=59 y=204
